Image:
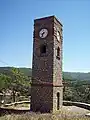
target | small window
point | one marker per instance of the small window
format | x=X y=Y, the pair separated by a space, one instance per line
x=58 y=53
x=58 y=100
x=43 y=49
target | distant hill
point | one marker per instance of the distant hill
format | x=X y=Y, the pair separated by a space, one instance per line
x=26 y=71
x=66 y=75
x=76 y=76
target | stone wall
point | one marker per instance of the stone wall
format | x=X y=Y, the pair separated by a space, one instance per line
x=46 y=68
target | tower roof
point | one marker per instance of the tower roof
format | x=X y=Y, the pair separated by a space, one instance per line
x=49 y=17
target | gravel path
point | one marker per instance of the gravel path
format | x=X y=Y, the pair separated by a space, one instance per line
x=65 y=112
x=69 y=111
x=73 y=111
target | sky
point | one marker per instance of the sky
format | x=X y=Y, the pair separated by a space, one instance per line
x=16 y=31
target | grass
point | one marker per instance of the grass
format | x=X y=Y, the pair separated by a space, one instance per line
x=38 y=116
x=63 y=114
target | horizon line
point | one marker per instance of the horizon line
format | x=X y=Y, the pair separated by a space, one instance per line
x=63 y=70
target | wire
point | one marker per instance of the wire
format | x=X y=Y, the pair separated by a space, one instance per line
x=9 y=70
x=3 y=62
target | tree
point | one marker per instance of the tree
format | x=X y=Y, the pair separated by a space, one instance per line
x=18 y=82
x=4 y=82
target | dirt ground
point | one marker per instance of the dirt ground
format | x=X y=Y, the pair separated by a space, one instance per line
x=66 y=111
x=74 y=111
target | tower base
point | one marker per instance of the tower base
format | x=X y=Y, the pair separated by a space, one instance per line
x=46 y=99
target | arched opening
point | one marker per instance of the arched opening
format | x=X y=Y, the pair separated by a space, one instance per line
x=58 y=98
x=43 y=49
x=58 y=53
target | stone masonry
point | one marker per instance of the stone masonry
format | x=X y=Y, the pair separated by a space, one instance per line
x=47 y=88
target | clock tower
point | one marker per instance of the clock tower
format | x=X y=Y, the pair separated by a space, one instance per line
x=47 y=87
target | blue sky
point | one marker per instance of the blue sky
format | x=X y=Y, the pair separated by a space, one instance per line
x=16 y=31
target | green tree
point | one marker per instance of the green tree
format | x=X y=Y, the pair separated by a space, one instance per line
x=19 y=82
x=4 y=82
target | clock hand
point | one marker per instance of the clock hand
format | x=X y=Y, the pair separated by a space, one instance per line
x=43 y=33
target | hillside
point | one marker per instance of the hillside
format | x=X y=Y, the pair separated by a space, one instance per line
x=26 y=71
x=69 y=75
x=76 y=85
x=76 y=76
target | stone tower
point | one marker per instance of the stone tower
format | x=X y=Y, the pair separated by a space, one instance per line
x=47 y=88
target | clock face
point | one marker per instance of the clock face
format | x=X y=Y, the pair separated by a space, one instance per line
x=58 y=35
x=43 y=33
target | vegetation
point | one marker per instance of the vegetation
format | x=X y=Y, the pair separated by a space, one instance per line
x=16 y=82
x=76 y=90
x=77 y=76
x=34 y=116
x=67 y=75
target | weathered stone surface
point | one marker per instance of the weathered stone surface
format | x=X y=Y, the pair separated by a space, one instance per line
x=46 y=68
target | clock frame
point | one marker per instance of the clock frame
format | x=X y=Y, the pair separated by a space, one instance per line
x=43 y=33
